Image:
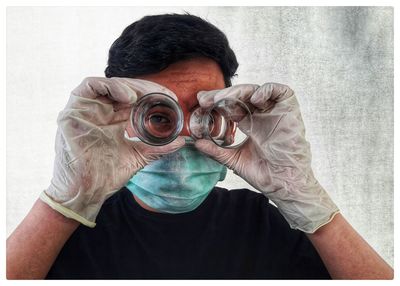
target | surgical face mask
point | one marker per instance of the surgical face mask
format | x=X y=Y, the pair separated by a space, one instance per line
x=178 y=182
x=157 y=119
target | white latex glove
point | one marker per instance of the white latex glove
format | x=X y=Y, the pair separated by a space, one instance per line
x=93 y=159
x=276 y=159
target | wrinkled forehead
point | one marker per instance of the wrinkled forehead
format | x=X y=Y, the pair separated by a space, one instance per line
x=187 y=78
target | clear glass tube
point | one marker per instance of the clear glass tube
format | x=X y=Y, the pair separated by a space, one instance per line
x=227 y=123
x=157 y=119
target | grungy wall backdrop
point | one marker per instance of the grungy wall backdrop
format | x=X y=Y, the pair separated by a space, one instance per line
x=338 y=60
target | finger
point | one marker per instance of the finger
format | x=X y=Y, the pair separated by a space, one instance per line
x=222 y=155
x=95 y=111
x=240 y=92
x=130 y=132
x=206 y=98
x=104 y=119
x=119 y=106
x=121 y=115
x=120 y=90
x=95 y=87
x=100 y=100
x=154 y=152
x=269 y=94
x=229 y=136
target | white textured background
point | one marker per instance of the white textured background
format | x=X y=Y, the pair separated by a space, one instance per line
x=338 y=60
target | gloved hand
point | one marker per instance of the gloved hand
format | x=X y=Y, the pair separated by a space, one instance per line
x=93 y=159
x=276 y=158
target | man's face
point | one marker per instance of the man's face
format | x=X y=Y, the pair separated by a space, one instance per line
x=186 y=78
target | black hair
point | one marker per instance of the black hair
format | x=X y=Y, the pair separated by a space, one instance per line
x=155 y=42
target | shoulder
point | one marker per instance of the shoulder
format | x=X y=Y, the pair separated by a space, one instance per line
x=244 y=202
x=116 y=207
x=117 y=198
x=239 y=195
x=253 y=204
x=243 y=198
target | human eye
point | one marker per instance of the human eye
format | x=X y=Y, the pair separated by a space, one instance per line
x=159 y=118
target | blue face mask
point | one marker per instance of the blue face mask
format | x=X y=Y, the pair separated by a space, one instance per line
x=178 y=182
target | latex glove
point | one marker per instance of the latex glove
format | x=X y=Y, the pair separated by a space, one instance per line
x=276 y=159
x=93 y=159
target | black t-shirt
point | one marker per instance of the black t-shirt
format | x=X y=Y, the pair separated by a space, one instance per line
x=232 y=234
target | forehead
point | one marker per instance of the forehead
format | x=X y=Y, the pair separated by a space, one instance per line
x=186 y=78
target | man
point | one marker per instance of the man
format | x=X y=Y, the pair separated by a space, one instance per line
x=122 y=209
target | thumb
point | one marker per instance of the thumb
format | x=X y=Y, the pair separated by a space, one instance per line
x=222 y=155
x=170 y=147
x=154 y=152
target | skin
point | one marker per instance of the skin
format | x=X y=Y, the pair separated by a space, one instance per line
x=33 y=247
x=186 y=79
x=346 y=254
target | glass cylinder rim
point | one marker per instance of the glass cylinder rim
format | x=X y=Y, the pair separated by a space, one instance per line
x=139 y=129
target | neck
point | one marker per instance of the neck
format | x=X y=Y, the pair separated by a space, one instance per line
x=143 y=205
